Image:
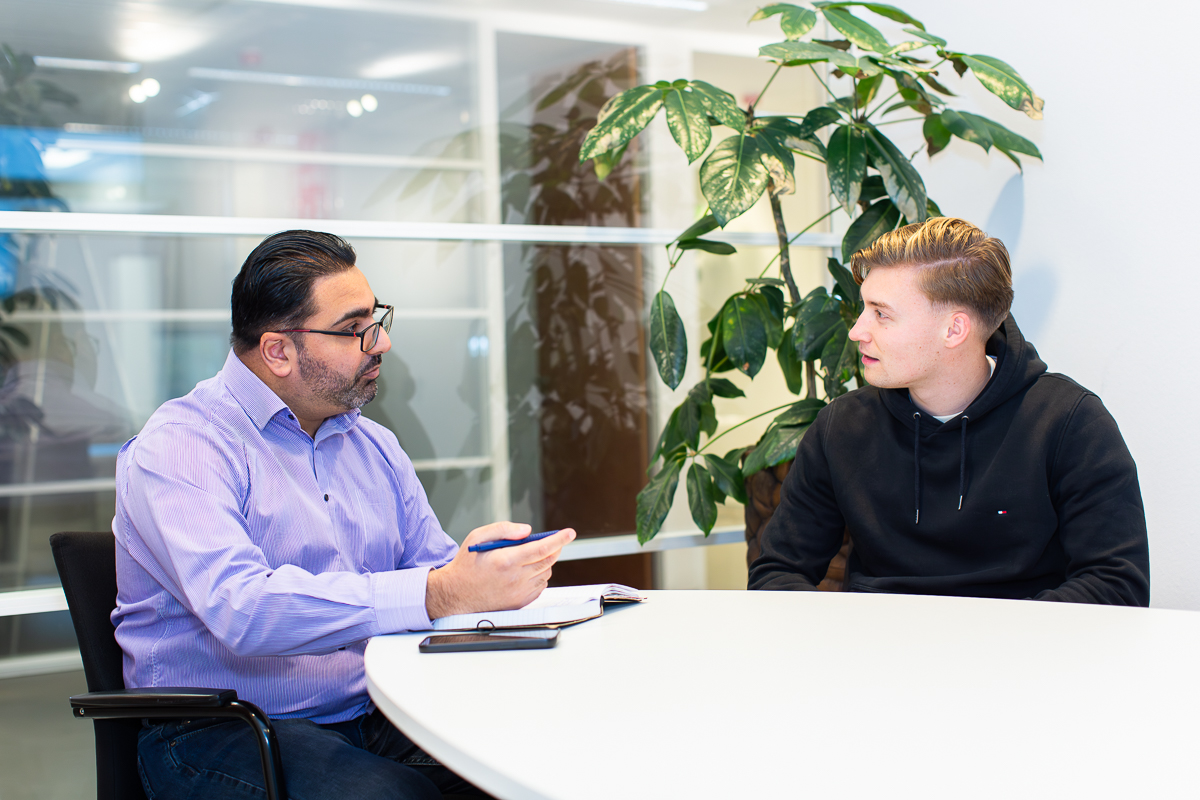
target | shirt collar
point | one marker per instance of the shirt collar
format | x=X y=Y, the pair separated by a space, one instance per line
x=262 y=404
x=254 y=396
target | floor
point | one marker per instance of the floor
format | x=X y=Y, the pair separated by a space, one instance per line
x=45 y=753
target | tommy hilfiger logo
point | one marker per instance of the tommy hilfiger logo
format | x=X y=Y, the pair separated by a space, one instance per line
x=1001 y=513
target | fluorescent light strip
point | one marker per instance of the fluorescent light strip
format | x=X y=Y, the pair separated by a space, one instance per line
x=280 y=79
x=54 y=62
x=682 y=5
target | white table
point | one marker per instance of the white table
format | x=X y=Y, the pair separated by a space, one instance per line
x=776 y=694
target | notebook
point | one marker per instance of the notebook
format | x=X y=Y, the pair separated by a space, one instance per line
x=555 y=607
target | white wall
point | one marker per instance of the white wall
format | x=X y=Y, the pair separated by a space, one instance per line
x=1101 y=255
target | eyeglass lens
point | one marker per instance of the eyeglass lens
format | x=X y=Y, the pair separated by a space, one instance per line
x=371 y=335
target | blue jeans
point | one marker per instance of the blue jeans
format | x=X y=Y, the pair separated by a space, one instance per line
x=216 y=759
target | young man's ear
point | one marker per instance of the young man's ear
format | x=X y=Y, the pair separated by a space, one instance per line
x=278 y=353
x=959 y=329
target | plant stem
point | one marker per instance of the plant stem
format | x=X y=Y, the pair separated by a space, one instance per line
x=757 y=100
x=785 y=256
x=740 y=424
x=894 y=121
x=827 y=89
x=810 y=378
x=797 y=236
x=883 y=103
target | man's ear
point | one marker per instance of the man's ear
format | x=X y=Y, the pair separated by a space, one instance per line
x=959 y=329
x=278 y=353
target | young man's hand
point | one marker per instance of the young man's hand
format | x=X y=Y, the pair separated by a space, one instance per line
x=496 y=580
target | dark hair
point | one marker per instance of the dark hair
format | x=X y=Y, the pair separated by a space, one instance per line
x=273 y=291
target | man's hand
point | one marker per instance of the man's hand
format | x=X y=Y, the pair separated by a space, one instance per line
x=496 y=580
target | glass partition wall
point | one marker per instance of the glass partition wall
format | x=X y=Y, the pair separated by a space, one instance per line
x=145 y=149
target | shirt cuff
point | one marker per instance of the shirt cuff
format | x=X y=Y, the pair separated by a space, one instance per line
x=400 y=600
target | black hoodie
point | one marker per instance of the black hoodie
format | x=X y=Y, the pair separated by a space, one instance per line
x=1049 y=496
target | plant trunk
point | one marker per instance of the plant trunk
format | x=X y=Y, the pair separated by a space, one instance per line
x=785 y=259
x=762 y=490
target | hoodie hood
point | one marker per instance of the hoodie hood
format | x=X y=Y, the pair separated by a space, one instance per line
x=1017 y=366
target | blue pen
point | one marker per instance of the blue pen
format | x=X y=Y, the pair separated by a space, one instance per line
x=496 y=544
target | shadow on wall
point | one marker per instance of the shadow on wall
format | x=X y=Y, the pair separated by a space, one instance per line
x=1034 y=287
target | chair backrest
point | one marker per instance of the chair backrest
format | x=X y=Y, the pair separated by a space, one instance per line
x=87 y=566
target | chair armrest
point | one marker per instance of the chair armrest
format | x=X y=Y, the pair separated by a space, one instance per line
x=173 y=702
x=170 y=696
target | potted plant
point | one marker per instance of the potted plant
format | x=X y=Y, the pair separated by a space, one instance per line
x=869 y=177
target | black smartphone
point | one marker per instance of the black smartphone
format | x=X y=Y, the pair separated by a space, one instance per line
x=465 y=642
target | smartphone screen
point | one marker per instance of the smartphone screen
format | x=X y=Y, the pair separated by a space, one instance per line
x=466 y=642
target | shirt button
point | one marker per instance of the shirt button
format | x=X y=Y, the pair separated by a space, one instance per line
x=326 y=498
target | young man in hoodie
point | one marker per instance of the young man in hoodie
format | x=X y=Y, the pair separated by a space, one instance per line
x=964 y=468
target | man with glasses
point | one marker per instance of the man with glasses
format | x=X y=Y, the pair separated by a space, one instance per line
x=266 y=530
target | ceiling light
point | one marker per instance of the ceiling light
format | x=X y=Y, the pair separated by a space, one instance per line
x=90 y=65
x=369 y=103
x=682 y=5
x=151 y=87
x=280 y=79
x=354 y=108
x=411 y=64
x=137 y=93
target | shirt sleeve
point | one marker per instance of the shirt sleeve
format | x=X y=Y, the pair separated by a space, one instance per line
x=807 y=528
x=1101 y=522
x=181 y=497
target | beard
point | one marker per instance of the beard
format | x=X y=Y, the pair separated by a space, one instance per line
x=334 y=389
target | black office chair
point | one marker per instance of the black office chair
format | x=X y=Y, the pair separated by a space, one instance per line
x=87 y=566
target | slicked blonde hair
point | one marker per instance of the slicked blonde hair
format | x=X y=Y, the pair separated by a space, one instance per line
x=959 y=265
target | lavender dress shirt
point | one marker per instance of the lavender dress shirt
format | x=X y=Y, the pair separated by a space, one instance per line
x=253 y=557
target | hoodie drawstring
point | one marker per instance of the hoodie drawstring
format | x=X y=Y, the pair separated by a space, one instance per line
x=917 y=463
x=962 y=462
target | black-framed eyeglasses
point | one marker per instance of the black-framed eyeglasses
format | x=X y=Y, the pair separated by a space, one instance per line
x=368 y=336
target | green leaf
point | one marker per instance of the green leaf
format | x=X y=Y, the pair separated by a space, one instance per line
x=964 y=127
x=867 y=88
x=708 y=246
x=861 y=33
x=775 y=299
x=837 y=360
x=816 y=119
x=846 y=165
x=744 y=333
x=688 y=122
x=819 y=318
x=1002 y=137
x=794 y=20
x=655 y=499
x=605 y=163
x=933 y=83
x=727 y=475
x=777 y=445
x=903 y=182
x=789 y=360
x=800 y=413
x=624 y=116
x=882 y=9
x=872 y=189
x=668 y=339
x=765 y=282
x=796 y=53
x=723 y=387
x=778 y=160
x=733 y=177
x=847 y=287
x=704 y=225
x=921 y=34
x=937 y=135
x=699 y=412
x=702 y=497
x=785 y=133
x=772 y=323
x=720 y=105
x=1003 y=81
x=879 y=218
